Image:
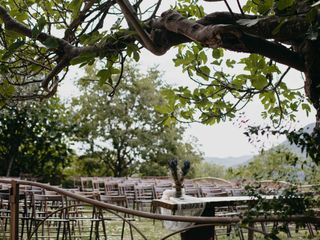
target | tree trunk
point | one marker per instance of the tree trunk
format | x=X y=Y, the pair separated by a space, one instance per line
x=318 y=119
x=311 y=53
x=12 y=158
x=118 y=169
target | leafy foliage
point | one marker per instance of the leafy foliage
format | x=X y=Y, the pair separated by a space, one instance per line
x=309 y=143
x=221 y=95
x=34 y=140
x=276 y=164
x=288 y=203
x=205 y=169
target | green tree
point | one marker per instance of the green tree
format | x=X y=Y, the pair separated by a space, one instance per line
x=271 y=32
x=124 y=132
x=34 y=140
x=40 y=40
x=205 y=169
x=278 y=163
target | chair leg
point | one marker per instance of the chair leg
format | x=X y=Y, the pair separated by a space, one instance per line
x=104 y=229
x=97 y=230
x=310 y=229
x=91 y=229
x=22 y=228
x=122 y=230
x=58 y=230
x=286 y=226
x=131 y=232
x=264 y=228
x=228 y=230
x=2 y=227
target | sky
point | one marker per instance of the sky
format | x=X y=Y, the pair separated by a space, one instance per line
x=222 y=140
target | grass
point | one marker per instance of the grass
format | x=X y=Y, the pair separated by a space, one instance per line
x=154 y=230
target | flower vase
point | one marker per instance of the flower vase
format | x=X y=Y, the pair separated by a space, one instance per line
x=179 y=191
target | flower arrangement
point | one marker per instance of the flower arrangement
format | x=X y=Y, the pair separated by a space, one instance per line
x=178 y=175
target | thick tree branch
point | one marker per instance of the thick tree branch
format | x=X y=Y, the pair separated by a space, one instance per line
x=12 y=25
x=227 y=36
x=293 y=28
x=65 y=51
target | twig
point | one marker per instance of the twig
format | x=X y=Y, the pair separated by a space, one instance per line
x=240 y=8
x=229 y=8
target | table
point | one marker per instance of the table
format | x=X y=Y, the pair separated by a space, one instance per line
x=211 y=203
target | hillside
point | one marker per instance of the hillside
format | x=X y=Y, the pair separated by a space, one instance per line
x=229 y=161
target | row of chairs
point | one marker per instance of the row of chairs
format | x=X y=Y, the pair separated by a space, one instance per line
x=142 y=191
x=48 y=215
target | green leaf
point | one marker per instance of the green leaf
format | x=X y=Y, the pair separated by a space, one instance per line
x=41 y=22
x=115 y=70
x=203 y=57
x=283 y=4
x=265 y=6
x=136 y=56
x=230 y=63
x=85 y=57
x=259 y=82
x=163 y=109
x=51 y=42
x=6 y=89
x=12 y=48
x=169 y=121
x=103 y=74
x=306 y=108
x=131 y=48
x=75 y=7
x=217 y=53
x=170 y=96
x=204 y=72
x=278 y=28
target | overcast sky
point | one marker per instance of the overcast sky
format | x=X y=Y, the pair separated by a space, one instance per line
x=225 y=139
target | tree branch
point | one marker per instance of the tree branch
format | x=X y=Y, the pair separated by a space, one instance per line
x=78 y=20
x=12 y=25
x=293 y=28
x=134 y=22
x=227 y=36
x=65 y=51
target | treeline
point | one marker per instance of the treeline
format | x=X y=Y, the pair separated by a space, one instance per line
x=118 y=132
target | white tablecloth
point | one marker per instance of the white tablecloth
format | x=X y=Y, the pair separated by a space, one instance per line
x=196 y=210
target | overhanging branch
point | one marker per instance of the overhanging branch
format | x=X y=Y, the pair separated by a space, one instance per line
x=134 y=22
x=228 y=36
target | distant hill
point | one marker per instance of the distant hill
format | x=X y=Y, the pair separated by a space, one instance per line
x=229 y=161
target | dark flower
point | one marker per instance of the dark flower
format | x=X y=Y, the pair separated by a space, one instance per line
x=186 y=167
x=173 y=165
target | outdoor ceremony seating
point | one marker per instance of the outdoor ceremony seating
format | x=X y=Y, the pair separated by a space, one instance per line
x=124 y=218
x=46 y=209
x=44 y=212
x=143 y=196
